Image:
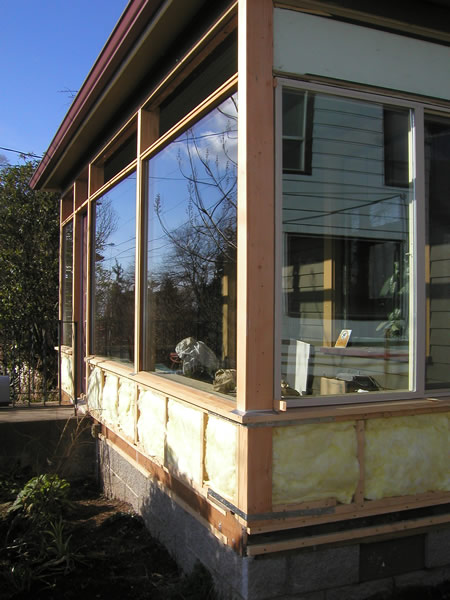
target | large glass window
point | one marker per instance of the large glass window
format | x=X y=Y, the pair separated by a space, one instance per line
x=191 y=259
x=437 y=185
x=114 y=270
x=346 y=225
x=67 y=283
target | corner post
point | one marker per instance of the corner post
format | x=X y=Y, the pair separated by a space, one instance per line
x=256 y=248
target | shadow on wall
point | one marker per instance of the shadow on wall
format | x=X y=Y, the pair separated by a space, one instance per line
x=186 y=539
x=63 y=447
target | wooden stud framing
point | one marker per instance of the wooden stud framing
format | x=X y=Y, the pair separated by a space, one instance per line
x=346 y=535
x=203 y=475
x=80 y=192
x=89 y=270
x=255 y=470
x=328 y=293
x=256 y=197
x=76 y=308
x=427 y=300
x=95 y=179
x=359 y=494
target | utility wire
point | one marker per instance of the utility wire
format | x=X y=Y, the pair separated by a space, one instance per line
x=20 y=152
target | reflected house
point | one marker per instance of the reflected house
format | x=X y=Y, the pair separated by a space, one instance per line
x=255 y=250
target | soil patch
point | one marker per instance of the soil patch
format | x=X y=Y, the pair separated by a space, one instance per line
x=105 y=551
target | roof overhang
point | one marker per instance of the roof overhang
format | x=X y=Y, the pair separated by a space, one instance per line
x=138 y=42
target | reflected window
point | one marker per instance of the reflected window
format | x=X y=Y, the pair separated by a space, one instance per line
x=437 y=180
x=67 y=283
x=297 y=128
x=346 y=229
x=396 y=147
x=191 y=258
x=114 y=272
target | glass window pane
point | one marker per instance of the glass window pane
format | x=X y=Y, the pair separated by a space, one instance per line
x=396 y=160
x=191 y=287
x=437 y=181
x=114 y=268
x=292 y=155
x=346 y=275
x=67 y=254
x=293 y=113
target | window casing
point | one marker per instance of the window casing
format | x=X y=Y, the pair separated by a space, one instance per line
x=352 y=247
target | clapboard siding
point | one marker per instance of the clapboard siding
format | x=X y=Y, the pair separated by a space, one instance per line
x=440 y=269
x=438 y=369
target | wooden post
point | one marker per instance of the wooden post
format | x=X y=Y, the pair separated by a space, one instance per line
x=256 y=196
x=255 y=470
x=96 y=179
x=360 y=436
x=90 y=270
x=328 y=293
x=147 y=133
x=256 y=249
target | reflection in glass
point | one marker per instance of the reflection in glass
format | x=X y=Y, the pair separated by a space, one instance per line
x=345 y=276
x=67 y=273
x=437 y=181
x=191 y=287
x=114 y=267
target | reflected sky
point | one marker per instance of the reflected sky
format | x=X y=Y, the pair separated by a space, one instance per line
x=116 y=224
x=192 y=183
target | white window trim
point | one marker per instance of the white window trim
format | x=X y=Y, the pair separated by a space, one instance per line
x=416 y=239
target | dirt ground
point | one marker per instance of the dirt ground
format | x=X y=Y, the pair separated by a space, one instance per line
x=110 y=555
x=104 y=551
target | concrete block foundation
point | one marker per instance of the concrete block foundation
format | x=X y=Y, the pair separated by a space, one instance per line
x=352 y=571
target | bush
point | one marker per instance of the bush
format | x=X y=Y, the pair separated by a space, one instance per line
x=43 y=498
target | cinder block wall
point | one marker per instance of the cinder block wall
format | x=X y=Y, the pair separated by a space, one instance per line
x=357 y=571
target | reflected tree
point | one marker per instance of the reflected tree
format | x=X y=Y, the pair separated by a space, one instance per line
x=189 y=288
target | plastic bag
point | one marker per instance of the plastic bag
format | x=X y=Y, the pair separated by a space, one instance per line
x=197 y=358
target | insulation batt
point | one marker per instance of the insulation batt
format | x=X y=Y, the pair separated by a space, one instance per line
x=110 y=400
x=313 y=462
x=407 y=455
x=66 y=374
x=220 y=460
x=125 y=409
x=94 y=395
x=152 y=423
x=184 y=441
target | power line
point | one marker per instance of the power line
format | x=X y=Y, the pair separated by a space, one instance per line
x=21 y=152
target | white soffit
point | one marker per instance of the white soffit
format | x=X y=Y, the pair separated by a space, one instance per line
x=307 y=44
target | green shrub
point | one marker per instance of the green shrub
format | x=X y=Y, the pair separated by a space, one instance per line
x=42 y=498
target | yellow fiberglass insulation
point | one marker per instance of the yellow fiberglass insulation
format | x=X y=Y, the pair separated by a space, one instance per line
x=94 y=394
x=184 y=441
x=313 y=462
x=126 y=404
x=66 y=374
x=152 y=423
x=220 y=460
x=110 y=400
x=406 y=455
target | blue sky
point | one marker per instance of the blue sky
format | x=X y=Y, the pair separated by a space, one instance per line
x=46 y=46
